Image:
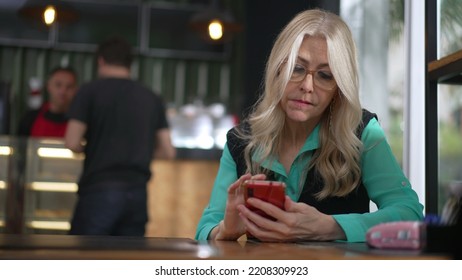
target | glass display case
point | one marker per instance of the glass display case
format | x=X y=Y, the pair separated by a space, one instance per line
x=5 y=152
x=51 y=176
x=38 y=184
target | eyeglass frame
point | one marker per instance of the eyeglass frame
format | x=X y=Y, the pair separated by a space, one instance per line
x=312 y=73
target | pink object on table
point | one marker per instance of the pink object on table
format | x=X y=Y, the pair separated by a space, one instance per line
x=397 y=235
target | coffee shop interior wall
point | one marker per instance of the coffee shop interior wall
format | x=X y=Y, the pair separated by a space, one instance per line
x=171 y=58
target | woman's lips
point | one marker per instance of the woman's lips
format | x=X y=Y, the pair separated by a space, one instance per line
x=299 y=101
x=299 y=104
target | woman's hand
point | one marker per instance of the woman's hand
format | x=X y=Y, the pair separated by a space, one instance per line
x=298 y=221
x=231 y=227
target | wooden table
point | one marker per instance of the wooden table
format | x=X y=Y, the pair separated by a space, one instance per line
x=58 y=247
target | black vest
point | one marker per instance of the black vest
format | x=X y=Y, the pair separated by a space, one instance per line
x=355 y=202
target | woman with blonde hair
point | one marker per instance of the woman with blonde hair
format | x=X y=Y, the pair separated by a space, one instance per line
x=308 y=130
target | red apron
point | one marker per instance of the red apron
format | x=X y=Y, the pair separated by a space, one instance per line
x=43 y=127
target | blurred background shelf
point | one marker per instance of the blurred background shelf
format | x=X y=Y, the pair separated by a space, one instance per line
x=447 y=70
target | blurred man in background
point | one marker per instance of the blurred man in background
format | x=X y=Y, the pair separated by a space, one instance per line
x=123 y=125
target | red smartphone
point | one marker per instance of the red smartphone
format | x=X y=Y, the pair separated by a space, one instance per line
x=270 y=191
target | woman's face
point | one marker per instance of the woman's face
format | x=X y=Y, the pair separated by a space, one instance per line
x=306 y=97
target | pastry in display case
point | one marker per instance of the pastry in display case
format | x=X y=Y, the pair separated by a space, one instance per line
x=52 y=172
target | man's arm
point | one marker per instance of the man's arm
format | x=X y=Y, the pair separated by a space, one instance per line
x=74 y=137
x=164 y=148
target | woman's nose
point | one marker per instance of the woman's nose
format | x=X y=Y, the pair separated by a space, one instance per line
x=307 y=84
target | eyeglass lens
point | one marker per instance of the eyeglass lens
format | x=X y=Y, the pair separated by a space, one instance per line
x=321 y=78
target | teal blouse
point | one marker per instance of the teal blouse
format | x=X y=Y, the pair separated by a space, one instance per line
x=385 y=182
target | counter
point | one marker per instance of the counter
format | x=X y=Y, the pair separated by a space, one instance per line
x=65 y=247
x=178 y=192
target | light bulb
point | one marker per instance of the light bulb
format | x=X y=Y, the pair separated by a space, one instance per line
x=49 y=15
x=215 y=30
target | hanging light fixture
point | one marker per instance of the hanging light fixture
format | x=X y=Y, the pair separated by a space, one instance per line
x=47 y=11
x=215 y=30
x=49 y=15
x=214 y=24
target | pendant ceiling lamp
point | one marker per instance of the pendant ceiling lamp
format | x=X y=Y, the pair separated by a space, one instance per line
x=214 y=24
x=47 y=11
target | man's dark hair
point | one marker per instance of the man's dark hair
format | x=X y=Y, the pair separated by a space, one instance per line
x=115 y=51
x=68 y=69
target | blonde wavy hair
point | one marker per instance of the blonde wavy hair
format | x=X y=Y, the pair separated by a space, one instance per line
x=338 y=158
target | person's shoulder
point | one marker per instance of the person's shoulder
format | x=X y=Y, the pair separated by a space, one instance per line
x=148 y=93
x=372 y=130
x=107 y=81
x=368 y=115
x=103 y=86
x=31 y=114
x=143 y=87
x=88 y=86
x=137 y=85
x=242 y=128
x=237 y=137
x=26 y=122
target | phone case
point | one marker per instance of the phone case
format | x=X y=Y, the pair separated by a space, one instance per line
x=269 y=191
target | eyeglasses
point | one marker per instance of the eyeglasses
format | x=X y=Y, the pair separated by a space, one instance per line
x=321 y=78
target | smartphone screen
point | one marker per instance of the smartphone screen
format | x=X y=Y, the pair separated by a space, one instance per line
x=269 y=191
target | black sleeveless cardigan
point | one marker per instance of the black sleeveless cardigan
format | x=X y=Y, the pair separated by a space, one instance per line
x=355 y=202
